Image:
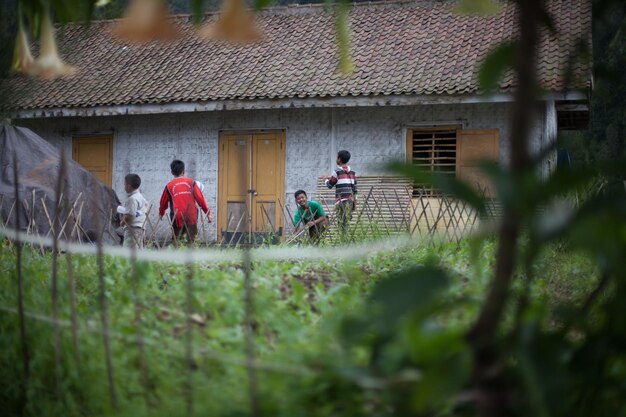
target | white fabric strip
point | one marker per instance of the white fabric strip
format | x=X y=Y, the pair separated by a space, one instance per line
x=214 y=255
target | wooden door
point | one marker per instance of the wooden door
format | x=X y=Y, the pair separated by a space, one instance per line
x=267 y=182
x=251 y=183
x=233 y=183
x=95 y=154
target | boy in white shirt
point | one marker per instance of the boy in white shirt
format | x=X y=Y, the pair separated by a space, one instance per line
x=133 y=212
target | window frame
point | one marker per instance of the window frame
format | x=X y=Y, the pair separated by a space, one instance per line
x=410 y=150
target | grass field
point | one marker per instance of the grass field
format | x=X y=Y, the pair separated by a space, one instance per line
x=299 y=309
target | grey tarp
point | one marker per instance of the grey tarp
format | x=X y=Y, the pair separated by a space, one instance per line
x=38 y=164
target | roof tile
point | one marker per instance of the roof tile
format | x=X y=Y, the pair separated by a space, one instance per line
x=404 y=47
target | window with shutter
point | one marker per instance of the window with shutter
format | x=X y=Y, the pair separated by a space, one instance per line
x=433 y=149
x=454 y=151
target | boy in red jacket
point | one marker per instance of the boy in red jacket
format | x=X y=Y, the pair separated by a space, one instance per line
x=182 y=194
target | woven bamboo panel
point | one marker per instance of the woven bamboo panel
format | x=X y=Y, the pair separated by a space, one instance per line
x=381 y=200
x=388 y=205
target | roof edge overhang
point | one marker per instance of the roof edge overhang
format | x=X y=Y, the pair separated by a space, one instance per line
x=283 y=103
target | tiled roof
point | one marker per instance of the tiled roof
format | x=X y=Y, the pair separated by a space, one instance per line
x=398 y=48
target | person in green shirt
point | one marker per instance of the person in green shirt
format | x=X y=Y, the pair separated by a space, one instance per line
x=310 y=214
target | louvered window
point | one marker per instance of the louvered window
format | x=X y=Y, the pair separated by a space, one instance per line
x=434 y=150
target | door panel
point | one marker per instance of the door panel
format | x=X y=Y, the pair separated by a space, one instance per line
x=95 y=154
x=251 y=170
x=264 y=215
x=266 y=168
x=233 y=215
x=237 y=159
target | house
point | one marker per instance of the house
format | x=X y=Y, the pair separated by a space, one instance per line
x=256 y=122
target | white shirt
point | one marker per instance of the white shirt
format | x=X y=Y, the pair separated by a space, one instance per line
x=136 y=206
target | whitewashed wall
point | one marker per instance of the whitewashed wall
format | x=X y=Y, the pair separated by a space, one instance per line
x=374 y=135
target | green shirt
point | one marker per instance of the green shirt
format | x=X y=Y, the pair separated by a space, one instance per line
x=314 y=212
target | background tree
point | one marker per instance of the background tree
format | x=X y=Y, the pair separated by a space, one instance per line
x=608 y=124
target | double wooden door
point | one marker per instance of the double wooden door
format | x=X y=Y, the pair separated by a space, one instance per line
x=251 y=186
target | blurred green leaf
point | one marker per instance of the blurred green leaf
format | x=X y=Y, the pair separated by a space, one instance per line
x=600 y=228
x=346 y=66
x=89 y=10
x=477 y=7
x=446 y=183
x=443 y=356
x=552 y=222
x=353 y=328
x=538 y=360
x=196 y=10
x=505 y=184
x=408 y=291
x=570 y=179
x=547 y=21
x=498 y=62
x=262 y=4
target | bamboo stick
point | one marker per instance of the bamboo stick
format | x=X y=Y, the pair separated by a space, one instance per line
x=236 y=230
x=249 y=334
x=189 y=340
x=139 y=340
x=363 y=207
x=171 y=221
x=223 y=238
x=55 y=278
x=71 y=279
x=104 y=314
x=20 y=296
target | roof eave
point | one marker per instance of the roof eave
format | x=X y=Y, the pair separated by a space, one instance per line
x=283 y=103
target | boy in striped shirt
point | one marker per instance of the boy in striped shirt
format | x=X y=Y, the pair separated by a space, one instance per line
x=344 y=180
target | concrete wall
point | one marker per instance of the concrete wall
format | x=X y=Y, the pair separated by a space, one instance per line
x=374 y=135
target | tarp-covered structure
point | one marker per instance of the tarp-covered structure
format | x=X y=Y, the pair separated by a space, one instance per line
x=87 y=207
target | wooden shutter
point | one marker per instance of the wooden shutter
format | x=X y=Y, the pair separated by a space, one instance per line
x=474 y=146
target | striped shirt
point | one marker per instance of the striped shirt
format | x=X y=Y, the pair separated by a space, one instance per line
x=344 y=181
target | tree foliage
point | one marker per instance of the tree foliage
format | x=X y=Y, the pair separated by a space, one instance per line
x=608 y=126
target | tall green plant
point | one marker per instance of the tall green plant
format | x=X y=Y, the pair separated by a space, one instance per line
x=508 y=362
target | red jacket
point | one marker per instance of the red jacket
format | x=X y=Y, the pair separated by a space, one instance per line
x=182 y=194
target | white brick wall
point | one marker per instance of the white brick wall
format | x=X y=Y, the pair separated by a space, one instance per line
x=374 y=135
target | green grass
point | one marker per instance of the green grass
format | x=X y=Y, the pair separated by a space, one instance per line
x=298 y=309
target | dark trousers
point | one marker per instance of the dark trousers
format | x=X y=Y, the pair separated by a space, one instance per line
x=191 y=230
x=344 y=210
x=315 y=232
